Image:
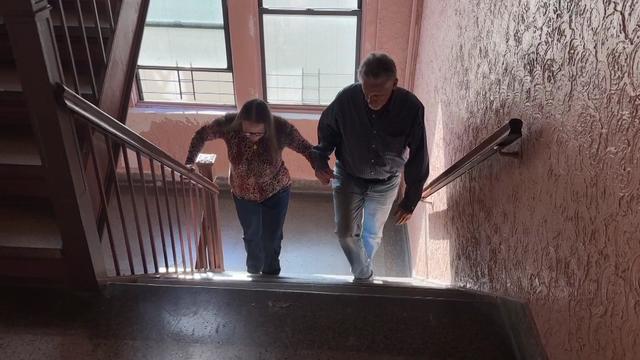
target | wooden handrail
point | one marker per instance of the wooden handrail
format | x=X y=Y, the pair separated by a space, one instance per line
x=500 y=139
x=104 y=122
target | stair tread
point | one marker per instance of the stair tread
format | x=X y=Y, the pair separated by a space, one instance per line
x=10 y=80
x=344 y=327
x=13 y=109
x=29 y=224
x=22 y=180
x=18 y=148
x=74 y=21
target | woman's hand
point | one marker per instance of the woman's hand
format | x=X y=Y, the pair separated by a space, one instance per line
x=325 y=175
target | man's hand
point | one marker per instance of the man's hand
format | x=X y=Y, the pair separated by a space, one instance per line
x=324 y=175
x=402 y=216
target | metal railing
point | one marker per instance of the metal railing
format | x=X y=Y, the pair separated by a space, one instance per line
x=183 y=84
x=89 y=17
x=170 y=211
x=500 y=139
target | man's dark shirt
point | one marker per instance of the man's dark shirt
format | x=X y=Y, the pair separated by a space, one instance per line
x=372 y=144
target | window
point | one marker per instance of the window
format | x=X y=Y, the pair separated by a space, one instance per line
x=185 y=54
x=310 y=49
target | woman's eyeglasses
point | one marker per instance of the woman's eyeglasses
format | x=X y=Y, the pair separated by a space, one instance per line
x=252 y=134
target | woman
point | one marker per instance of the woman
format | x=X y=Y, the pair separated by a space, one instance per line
x=259 y=179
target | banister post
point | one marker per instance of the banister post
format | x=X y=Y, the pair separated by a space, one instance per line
x=211 y=220
x=30 y=30
x=205 y=162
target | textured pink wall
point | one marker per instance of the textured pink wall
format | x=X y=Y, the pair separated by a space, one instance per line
x=560 y=227
x=387 y=27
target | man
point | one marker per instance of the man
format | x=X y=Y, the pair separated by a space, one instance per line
x=371 y=125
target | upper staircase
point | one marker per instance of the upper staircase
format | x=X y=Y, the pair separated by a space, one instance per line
x=83 y=197
x=81 y=44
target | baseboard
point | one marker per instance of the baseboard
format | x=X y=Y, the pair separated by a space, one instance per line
x=522 y=329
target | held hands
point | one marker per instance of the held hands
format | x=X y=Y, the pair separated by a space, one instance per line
x=324 y=175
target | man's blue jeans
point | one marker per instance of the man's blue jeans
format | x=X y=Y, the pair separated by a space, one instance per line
x=262 y=224
x=361 y=209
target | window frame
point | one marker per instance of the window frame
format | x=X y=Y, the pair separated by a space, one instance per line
x=313 y=12
x=228 y=69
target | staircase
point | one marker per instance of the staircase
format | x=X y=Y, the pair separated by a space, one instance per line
x=86 y=202
x=264 y=319
x=79 y=43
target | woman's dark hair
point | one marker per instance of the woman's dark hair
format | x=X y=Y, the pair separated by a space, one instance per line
x=258 y=112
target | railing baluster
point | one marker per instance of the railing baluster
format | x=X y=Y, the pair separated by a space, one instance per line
x=119 y=201
x=207 y=229
x=146 y=208
x=203 y=207
x=112 y=24
x=173 y=240
x=217 y=232
x=197 y=220
x=193 y=84
x=186 y=220
x=179 y=83
x=99 y=29
x=155 y=187
x=94 y=86
x=202 y=243
x=175 y=197
x=125 y=157
x=76 y=82
x=103 y=201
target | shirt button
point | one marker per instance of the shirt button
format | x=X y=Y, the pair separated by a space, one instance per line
x=372 y=161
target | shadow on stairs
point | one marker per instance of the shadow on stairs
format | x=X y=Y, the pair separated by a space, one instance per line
x=234 y=316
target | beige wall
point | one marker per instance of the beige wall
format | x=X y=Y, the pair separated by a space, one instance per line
x=560 y=227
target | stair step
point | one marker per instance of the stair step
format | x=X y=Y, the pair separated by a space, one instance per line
x=18 y=147
x=73 y=21
x=28 y=223
x=6 y=54
x=22 y=180
x=13 y=109
x=75 y=35
x=32 y=271
x=30 y=241
x=10 y=80
x=244 y=324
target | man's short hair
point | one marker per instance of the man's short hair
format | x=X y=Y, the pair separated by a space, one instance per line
x=377 y=66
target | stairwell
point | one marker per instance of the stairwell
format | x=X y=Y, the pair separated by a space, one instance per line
x=33 y=205
x=66 y=70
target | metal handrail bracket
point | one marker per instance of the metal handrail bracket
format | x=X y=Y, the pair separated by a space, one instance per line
x=500 y=139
